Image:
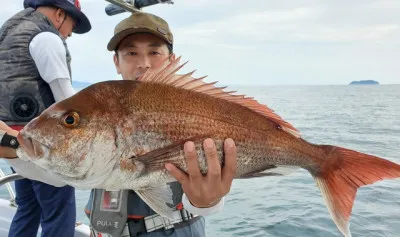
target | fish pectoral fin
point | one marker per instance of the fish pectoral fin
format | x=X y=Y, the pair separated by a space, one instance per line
x=162 y=199
x=156 y=159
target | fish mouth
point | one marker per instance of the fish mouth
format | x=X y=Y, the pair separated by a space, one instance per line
x=33 y=148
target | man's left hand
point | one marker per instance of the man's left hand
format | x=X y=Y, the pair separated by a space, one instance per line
x=205 y=191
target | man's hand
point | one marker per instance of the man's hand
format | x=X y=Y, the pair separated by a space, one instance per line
x=7 y=152
x=206 y=190
x=7 y=129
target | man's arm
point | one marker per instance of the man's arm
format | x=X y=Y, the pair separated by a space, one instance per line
x=49 y=54
x=31 y=171
x=204 y=194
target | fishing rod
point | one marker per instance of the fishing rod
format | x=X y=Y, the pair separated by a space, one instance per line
x=119 y=6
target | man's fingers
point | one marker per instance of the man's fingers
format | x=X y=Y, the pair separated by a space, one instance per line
x=191 y=161
x=179 y=175
x=229 y=170
x=214 y=167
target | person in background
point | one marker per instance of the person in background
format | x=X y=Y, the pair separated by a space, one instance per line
x=35 y=73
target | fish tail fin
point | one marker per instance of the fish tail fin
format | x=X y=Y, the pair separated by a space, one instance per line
x=342 y=173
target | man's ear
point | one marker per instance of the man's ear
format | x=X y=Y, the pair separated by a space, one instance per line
x=116 y=62
x=59 y=15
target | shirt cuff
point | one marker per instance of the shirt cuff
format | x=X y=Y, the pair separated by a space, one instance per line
x=202 y=211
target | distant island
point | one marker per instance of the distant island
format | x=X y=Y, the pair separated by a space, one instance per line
x=364 y=82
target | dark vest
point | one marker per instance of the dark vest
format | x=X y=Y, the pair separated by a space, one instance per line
x=23 y=93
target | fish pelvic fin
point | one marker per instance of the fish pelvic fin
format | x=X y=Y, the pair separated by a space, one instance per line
x=343 y=172
x=163 y=199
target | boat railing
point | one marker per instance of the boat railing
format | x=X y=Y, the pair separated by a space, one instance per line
x=6 y=180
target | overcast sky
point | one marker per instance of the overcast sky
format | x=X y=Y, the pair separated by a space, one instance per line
x=258 y=42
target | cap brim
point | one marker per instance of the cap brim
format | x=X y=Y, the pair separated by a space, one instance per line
x=82 y=22
x=114 y=42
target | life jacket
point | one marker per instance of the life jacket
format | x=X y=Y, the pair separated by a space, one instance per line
x=137 y=208
x=111 y=212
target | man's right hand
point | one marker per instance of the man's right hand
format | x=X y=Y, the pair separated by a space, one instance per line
x=6 y=152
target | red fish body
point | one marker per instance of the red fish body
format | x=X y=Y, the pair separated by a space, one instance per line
x=120 y=134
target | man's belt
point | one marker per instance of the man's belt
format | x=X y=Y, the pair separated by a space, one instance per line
x=155 y=223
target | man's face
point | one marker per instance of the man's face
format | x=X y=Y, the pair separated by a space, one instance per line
x=139 y=52
x=67 y=27
x=62 y=21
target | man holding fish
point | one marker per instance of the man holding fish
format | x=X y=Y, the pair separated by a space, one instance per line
x=130 y=134
x=140 y=42
x=143 y=41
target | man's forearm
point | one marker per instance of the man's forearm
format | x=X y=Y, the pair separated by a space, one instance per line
x=25 y=168
x=31 y=171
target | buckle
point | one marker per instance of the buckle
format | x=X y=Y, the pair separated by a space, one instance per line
x=185 y=215
x=136 y=227
x=156 y=222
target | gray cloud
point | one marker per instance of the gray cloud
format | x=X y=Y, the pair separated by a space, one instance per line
x=259 y=42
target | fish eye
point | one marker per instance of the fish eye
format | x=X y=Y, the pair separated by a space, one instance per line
x=71 y=120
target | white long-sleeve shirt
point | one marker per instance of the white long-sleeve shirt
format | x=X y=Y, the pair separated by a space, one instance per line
x=49 y=54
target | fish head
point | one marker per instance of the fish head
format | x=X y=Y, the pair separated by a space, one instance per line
x=76 y=138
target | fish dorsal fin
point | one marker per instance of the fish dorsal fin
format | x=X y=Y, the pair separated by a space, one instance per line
x=166 y=74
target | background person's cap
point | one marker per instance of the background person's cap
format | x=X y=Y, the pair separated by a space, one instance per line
x=140 y=22
x=71 y=7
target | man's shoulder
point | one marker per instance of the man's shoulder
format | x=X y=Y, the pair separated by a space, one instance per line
x=47 y=36
x=47 y=42
x=31 y=22
x=25 y=27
